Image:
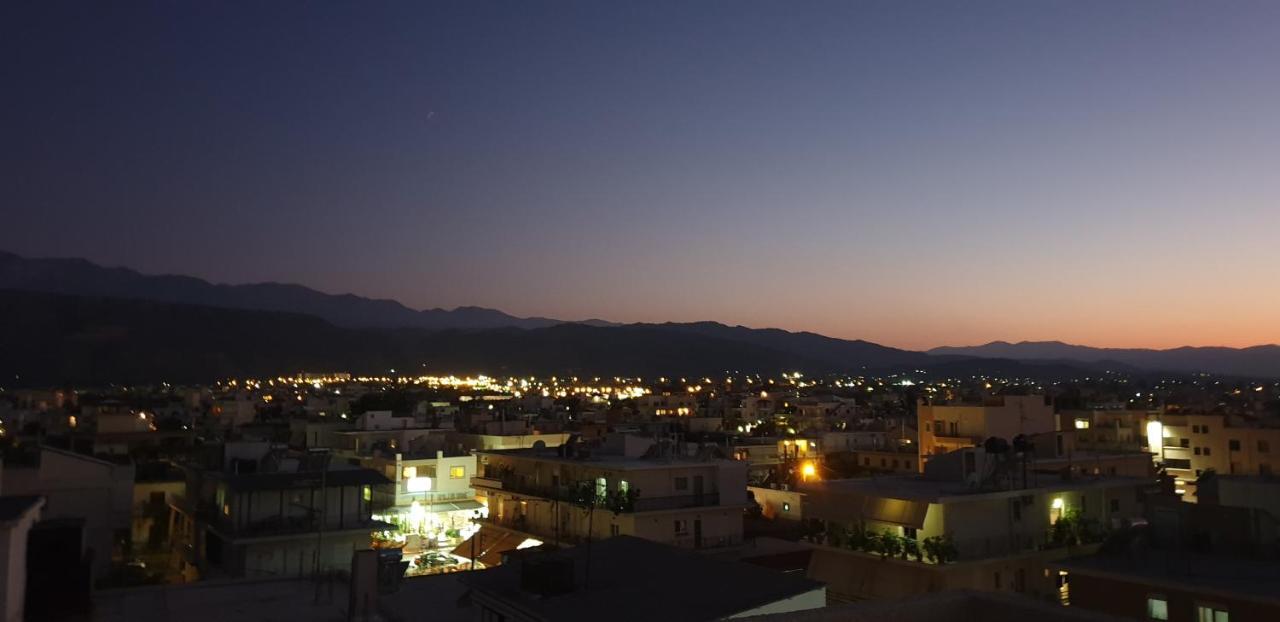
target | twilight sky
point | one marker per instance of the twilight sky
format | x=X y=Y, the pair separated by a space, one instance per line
x=911 y=173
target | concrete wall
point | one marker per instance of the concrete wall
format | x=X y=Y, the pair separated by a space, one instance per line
x=13 y=561
x=82 y=487
x=1128 y=599
x=779 y=504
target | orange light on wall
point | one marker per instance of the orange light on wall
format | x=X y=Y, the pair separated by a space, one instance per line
x=808 y=471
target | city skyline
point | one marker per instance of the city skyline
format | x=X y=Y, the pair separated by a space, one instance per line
x=915 y=176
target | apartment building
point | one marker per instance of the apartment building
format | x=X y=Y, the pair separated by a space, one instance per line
x=1186 y=444
x=274 y=517
x=667 y=405
x=94 y=495
x=948 y=427
x=983 y=537
x=431 y=502
x=626 y=486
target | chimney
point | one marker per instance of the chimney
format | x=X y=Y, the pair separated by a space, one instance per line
x=362 y=603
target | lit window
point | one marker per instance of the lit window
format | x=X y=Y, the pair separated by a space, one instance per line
x=1211 y=613
x=1157 y=608
x=410 y=472
x=367 y=493
x=457 y=472
x=786 y=507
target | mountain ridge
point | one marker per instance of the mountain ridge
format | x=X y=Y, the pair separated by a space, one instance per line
x=1259 y=360
x=80 y=277
x=77 y=276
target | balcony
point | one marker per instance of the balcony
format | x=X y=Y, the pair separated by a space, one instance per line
x=513 y=486
x=653 y=504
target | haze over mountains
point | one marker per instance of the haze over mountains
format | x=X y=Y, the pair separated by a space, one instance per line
x=1252 y=361
x=83 y=278
x=69 y=320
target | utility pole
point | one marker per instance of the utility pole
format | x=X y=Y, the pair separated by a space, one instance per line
x=324 y=503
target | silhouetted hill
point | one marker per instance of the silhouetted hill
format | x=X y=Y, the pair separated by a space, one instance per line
x=57 y=339
x=83 y=278
x=840 y=354
x=359 y=330
x=1257 y=361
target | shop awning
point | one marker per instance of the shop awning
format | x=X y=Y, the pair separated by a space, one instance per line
x=489 y=545
x=854 y=508
x=444 y=506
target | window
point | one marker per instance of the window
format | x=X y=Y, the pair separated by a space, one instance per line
x=996 y=576
x=613 y=530
x=1184 y=442
x=1212 y=613
x=1264 y=447
x=409 y=472
x=1197 y=451
x=1115 y=506
x=602 y=487
x=680 y=526
x=786 y=507
x=682 y=483
x=1157 y=607
x=457 y=472
x=909 y=533
x=1233 y=445
x=1020 y=580
x=1206 y=451
x=367 y=493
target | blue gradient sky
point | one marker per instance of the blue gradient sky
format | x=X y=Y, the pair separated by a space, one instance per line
x=910 y=173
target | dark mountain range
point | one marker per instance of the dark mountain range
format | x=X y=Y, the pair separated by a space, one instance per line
x=51 y=339
x=83 y=278
x=1257 y=361
x=838 y=353
x=57 y=339
x=309 y=329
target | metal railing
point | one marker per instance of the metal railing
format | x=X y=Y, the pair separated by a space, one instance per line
x=563 y=493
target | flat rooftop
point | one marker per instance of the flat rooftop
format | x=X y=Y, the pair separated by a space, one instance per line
x=1247 y=578
x=917 y=488
x=636 y=579
x=277 y=600
x=949 y=606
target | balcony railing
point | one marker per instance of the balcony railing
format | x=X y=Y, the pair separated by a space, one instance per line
x=650 y=504
x=564 y=493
